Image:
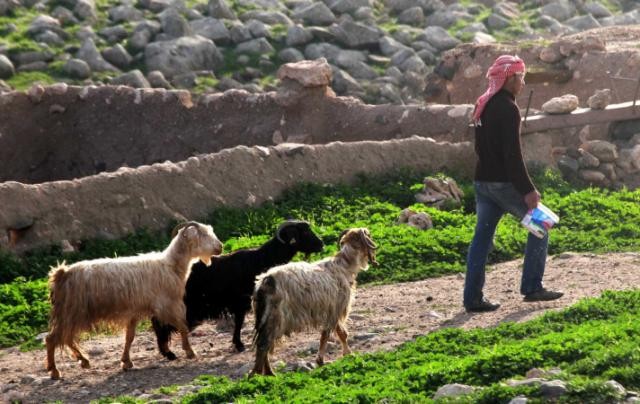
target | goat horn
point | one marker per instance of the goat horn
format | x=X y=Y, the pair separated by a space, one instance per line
x=287 y=224
x=371 y=246
x=366 y=238
x=176 y=229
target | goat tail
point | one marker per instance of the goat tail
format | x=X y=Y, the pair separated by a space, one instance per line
x=264 y=306
x=57 y=277
x=61 y=329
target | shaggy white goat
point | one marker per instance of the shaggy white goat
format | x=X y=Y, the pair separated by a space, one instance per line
x=303 y=296
x=122 y=291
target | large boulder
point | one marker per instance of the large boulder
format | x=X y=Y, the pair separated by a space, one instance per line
x=220 y=9
x=90 y=54
x=428 y=6
x=357 y=35
x=183 y=55
x=349 y=6
x=561 y=105
x=315 y=14
x=211 y=28
x=605 y=151
x=173 y=24
x=600 y=99
x=78 y=69
x=118 y=56
x=6 y=67
x=439 y=38
x=7 y=6
x=134 y=78
x=298 y=35
x=255 y=46
x=85 y=10
x=560 y=10
x=309 y=73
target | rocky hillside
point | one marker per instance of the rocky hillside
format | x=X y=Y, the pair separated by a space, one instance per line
x=380 y=51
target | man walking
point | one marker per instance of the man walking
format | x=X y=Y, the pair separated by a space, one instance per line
x=502 y=185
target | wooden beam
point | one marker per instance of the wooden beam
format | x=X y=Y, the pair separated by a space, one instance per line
x=582 y=116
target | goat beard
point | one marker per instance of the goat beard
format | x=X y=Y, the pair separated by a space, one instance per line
x=206 y=260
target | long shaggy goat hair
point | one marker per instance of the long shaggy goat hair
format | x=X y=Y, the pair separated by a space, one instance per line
x=121 y=291
x=302 y=296
x=226 y=286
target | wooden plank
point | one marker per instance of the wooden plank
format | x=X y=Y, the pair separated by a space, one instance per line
x=582 y=116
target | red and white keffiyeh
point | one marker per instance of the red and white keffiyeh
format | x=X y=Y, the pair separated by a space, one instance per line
x=504 y=67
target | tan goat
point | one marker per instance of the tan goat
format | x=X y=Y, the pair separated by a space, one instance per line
x=122 y=291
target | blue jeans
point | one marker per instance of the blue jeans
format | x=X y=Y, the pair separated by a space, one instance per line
x=493 y=200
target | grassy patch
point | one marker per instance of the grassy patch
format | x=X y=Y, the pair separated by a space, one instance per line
x=24 y=80
x=205 y=84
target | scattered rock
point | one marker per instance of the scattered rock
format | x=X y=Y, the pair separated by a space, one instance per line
x=453 y=390
x=606 y=152
x=440 y=192
x=77 y=68
x=6 y=67
x=592 y=177
x=553 y=389
x=600 y=99
x=314 y=73
x=561 y=105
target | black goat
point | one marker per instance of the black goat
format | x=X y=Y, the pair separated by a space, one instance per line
x=226 y=287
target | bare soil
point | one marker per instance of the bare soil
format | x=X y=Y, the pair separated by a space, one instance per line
x=382 y=318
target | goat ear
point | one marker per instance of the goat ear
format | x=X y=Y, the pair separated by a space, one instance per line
x=340 y=238
x=190 y=232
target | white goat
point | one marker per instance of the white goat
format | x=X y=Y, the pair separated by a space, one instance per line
x=303 y=296
x=122 y=291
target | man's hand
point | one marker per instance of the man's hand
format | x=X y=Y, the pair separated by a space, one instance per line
x=532 y=199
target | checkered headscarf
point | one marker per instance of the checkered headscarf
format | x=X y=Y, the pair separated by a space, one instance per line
x=502 y=68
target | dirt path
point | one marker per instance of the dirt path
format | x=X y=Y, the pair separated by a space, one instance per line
x=382 y=318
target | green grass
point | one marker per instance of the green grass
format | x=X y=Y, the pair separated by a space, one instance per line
x=204 y=84
x=24 y=80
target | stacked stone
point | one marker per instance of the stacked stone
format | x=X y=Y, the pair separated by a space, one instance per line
x=599 y=162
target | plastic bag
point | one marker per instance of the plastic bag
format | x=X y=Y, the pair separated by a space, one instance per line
x=539 y=220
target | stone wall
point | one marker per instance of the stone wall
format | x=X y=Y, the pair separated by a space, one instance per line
x=65 y=132
x=117 y=203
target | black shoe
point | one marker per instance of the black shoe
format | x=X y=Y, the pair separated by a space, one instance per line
x=543 y=295
x=482 y=306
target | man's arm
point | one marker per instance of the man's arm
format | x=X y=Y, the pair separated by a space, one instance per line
x=512 y=152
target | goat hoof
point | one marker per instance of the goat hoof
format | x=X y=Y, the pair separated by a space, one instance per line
x=84 y=364
x=240 y=348
x=55 y=374
x=127 y=365
x=191 y=355
x=170 y=356
x=320 y=361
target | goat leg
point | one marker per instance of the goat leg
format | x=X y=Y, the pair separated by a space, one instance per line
x=131 y=333
x=343 y=334
x=324 y=337
x=184 y=334
x=238 y=318
x=163 y=337
x=262 y=357
x=79 y=356
x=51 y=355
x=267 y=371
